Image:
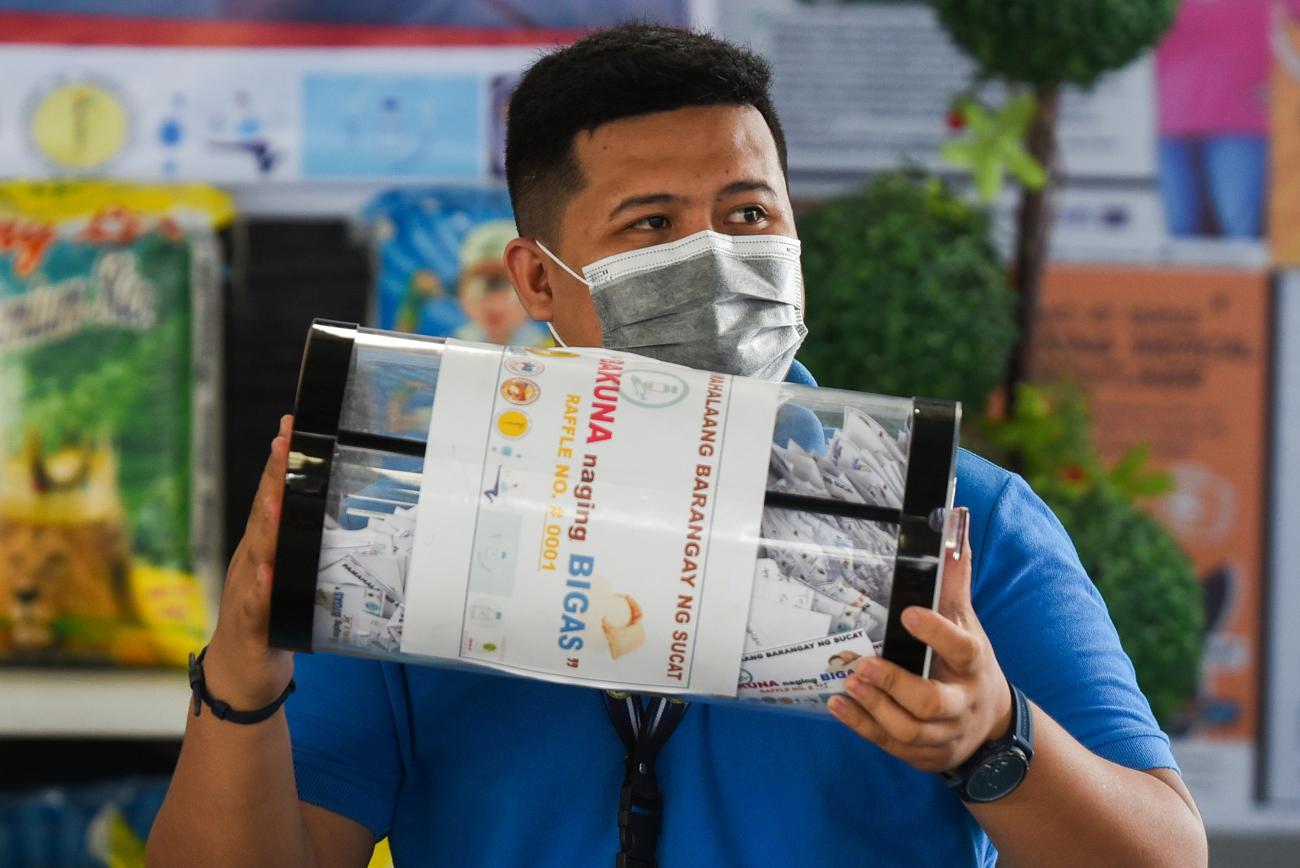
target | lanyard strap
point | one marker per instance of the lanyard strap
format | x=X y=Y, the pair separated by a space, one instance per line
x=643 y=729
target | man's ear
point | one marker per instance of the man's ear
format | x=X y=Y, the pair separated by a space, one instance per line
x=526 y=265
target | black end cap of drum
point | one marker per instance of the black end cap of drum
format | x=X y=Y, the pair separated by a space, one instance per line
x=322 y=382
x=931 y=463
x=323 y=377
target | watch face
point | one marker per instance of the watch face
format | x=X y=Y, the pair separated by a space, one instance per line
x=997 y=776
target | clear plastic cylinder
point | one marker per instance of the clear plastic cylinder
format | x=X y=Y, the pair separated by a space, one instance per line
x=853 y=527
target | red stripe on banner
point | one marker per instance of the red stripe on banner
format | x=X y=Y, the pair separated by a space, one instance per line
x=41 y=28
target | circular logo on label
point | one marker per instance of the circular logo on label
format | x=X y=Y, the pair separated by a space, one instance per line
x=526 y=367
x=654 y=389
x=78 y=124
x=512 y=423
x=520 y=391
x=547 y=353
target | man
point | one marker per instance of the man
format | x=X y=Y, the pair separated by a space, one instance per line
x=629 y=140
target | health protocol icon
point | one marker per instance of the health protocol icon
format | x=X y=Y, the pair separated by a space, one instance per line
x=525 y=367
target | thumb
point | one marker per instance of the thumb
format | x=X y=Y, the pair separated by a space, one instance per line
x=256 y=605
x=954 y=592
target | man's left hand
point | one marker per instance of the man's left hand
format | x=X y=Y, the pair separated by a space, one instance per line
x=933 y=724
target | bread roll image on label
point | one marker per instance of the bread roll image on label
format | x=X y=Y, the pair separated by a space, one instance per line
x=620 y=619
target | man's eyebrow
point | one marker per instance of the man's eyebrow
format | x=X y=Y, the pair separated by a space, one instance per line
x=650 y=199
x=746 y=186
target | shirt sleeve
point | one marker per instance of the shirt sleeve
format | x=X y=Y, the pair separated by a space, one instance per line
x=346 y=755
x=1053 y=635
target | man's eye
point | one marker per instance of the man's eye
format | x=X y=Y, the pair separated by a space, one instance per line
x=750 y=214
x=655 y=221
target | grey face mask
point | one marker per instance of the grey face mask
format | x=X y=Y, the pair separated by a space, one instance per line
x=732 y=304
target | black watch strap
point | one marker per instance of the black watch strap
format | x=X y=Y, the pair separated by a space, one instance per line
x=1016 y=746
x=222 y=710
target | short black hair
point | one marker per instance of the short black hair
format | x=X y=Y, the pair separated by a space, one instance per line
x=621 y=72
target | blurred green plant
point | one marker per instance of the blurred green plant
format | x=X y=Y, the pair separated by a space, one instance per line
x=1048 y=436
x=1051 y=44
x=907 y=293
x=994 y=144
x=1147 y=581
x=1036 y=48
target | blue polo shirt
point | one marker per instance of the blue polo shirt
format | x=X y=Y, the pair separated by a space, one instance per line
x=461 y=768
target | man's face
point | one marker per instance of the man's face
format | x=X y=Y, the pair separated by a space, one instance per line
x=650 y=180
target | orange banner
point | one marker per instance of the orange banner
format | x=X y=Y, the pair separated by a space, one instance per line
x=1179 y=359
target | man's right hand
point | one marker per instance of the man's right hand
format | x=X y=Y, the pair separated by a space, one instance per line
x=233 y=799
x=240 y=668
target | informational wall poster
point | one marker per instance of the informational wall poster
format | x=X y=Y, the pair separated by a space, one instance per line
x=1284 y=166
x=867 y=86
x=1213 y=82
x=238 y=115
x=1179 y=360
x=482 y=15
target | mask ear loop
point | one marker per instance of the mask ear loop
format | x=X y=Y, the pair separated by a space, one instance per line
x=559 y=340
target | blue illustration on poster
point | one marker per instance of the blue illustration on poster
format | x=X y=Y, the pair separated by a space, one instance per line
x=359 y=125
x=440 y=272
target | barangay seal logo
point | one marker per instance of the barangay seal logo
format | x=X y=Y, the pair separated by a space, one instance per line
x=520 y=391
x=525 y=367
x=653 y=389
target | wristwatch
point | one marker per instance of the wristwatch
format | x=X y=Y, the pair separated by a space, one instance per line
x=222 y=710
x=999 y=766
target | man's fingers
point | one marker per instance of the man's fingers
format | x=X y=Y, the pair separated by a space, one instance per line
x=923 y=698
x=958 y=647
x=264 y=519
x=895 y=720
x=270 y=478
x=855 y=717
x=954 y=593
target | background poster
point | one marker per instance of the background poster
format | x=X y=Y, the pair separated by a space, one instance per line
x=1179 y=359
x=242 y=91
x=491 y=14
x=867 y=85
x=1163 y=161
x=1284 y=201
x=241 y=116
x=1213 y=79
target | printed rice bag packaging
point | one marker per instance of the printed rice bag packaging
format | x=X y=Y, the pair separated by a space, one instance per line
x=595 y=517
x=109 y=349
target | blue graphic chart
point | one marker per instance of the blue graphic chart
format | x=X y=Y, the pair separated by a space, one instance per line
x=393 y=126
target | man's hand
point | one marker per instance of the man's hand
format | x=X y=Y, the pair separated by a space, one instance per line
x=933 y=724
x=240 y=668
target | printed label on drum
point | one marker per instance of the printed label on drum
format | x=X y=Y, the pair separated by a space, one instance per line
x=590 y=516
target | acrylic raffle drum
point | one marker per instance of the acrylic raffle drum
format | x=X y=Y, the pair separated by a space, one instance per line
x=592 y=517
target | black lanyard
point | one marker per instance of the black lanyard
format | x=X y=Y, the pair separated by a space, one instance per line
x=644 y=730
